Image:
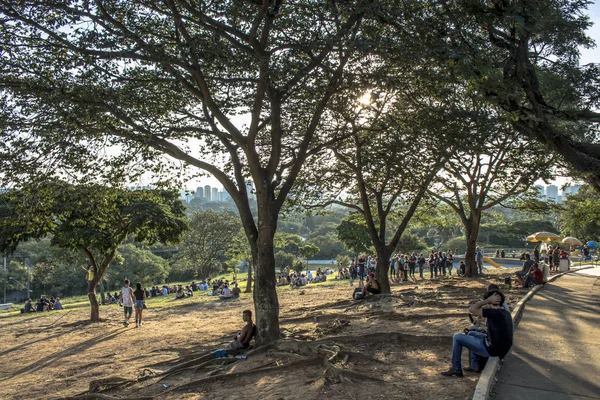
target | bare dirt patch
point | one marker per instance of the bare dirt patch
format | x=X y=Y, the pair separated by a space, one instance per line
x=388 y=346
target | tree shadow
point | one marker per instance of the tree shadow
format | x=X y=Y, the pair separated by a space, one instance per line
x=75 y=349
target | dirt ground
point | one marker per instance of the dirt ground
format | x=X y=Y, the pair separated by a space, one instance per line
x=388 y=347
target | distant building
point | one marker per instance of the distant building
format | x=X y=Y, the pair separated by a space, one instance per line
x=250 y=189
x=541 y=191
x=215 y=194
x=571 y=190
x=207 y=192
x=552 y=192
x=199 y=193
x=225 y=196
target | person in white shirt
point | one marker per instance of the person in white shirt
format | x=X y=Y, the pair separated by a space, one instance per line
x=127 y=300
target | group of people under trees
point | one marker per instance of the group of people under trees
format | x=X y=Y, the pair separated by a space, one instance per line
x=404 y=267
x=299 y=279
x=43 y=304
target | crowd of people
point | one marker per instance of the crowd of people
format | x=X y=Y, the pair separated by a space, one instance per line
x=298 y=279
x=43 y=304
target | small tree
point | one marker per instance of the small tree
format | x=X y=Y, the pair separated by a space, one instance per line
x=308 y=251
x=92 y=218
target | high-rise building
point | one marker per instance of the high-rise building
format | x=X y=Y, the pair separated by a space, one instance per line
x=571 y=190
x=200 y=193
x=215 y=194
x=541 y=190
x=552 y=192
x=250 y=189
x=207 y=192
x=225 y=195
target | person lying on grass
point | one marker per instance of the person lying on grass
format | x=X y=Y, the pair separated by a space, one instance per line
x=496 y=343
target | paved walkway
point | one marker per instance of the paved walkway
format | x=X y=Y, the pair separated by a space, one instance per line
x=556 y=350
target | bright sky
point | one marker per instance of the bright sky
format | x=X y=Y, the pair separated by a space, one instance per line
x=587 y=56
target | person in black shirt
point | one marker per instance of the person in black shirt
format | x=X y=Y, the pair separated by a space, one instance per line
x=496 y=343
x=140 y=301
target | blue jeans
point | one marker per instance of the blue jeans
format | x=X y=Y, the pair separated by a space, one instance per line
x=473 y=342
x=480 y=267
x=421 y=271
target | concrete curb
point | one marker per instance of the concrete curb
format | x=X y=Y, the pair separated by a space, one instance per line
x=488 y=375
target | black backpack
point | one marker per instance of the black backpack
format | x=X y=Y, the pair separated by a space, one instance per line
x=358 y=294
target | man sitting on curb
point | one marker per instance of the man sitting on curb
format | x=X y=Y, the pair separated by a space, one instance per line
x=525 y=270
x=496 y=343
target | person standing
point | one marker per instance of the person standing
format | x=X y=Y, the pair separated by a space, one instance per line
x=140 y=300
x=361 y=266
x=536 y=253
x=421 y=263
x=479 y=259
x=127 y=300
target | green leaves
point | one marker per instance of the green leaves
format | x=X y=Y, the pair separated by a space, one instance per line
x=91 y=216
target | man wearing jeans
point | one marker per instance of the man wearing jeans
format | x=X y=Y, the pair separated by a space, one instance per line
x=496 y=343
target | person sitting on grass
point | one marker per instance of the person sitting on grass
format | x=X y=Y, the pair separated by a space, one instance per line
x=372 y=285
x=242 y=339
x=235 y=292
x=226 y=292
x=323 y=277
x=58 y=304
x=180 y=294
x=28 y=306
x=496 y=343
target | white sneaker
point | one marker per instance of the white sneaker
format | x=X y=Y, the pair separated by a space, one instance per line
x=137 y=325
x=141 y=323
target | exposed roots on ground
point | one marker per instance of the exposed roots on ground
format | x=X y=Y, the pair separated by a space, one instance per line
x=99 y=396
x=289 y=354
x=101 y=385
x=262 y=370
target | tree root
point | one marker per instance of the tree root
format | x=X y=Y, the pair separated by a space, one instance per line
x=101 y=385
x=339 y=375
x=99 y=396
x=197 y=367
x=309 y=361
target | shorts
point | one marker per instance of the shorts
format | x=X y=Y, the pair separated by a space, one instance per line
x=139 y=304
x=127 y=310
x=372 y=290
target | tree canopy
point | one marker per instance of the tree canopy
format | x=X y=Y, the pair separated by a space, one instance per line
x=92 y=218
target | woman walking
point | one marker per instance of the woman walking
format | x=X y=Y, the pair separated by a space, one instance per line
x=140 y=300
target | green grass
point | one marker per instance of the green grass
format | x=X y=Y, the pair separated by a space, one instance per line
x=159 y=302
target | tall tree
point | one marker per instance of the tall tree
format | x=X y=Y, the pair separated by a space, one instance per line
x=385 y=166
x=579 y=215
x=498 y=165
x=522 y=56
x=94 y=219
x=204 y=247
x=233 y=88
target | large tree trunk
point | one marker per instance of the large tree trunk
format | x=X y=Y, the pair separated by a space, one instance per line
x=94 y=306
x=102 y=296
x=472 y=232
x=266 y=303
x=249 y=282
x=382 y=268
